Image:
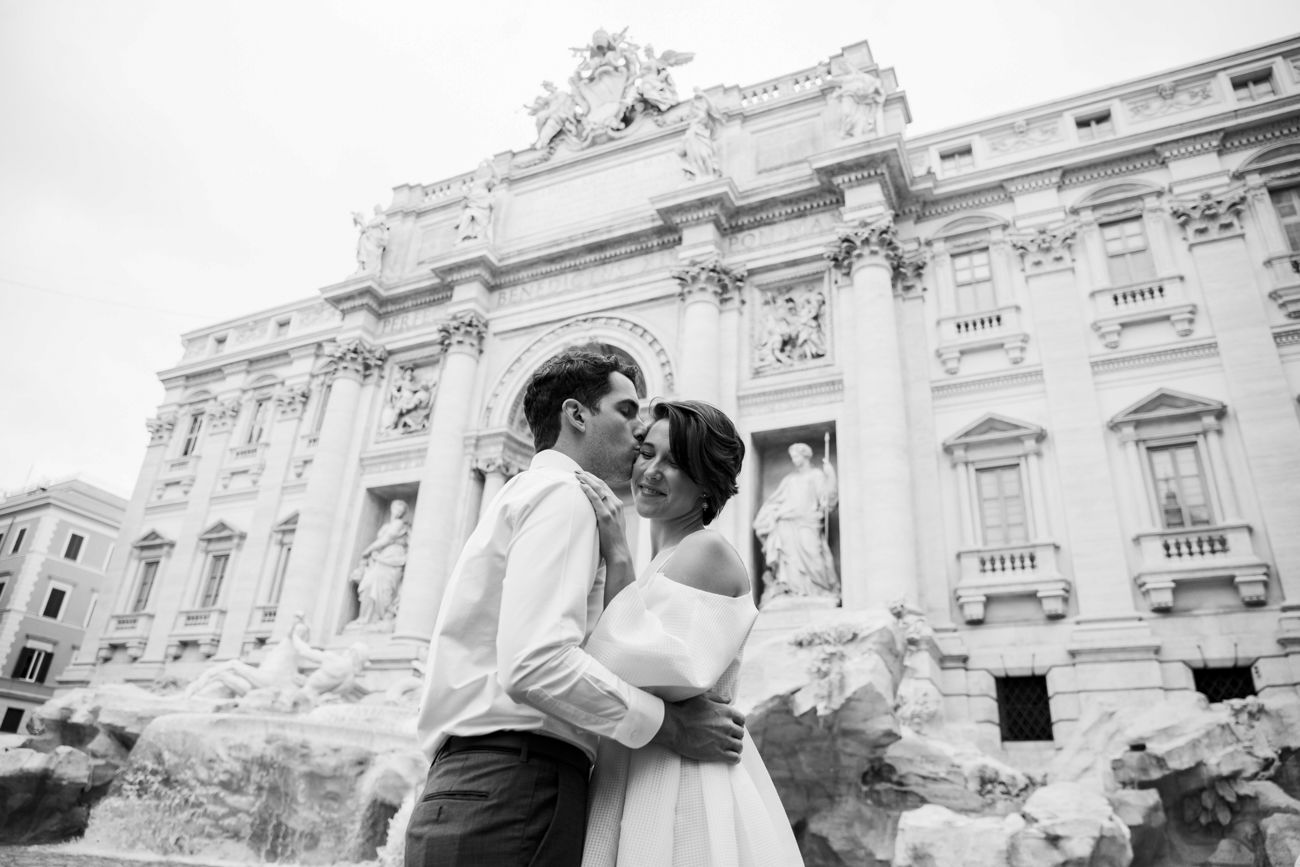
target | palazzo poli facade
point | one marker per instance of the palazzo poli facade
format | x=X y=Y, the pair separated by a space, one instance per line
x=1053 y=358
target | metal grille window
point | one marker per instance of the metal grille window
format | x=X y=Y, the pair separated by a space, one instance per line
x=1023 y=710
x=1128 y=255
x=1287 y=205
x=1221 y=684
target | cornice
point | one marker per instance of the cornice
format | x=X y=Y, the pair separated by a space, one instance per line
x=1031 y=182
x=940 y=207
x=478 y=262
x=821 y=201
x=987 y=383
x=1124 y=165
x=1288 y=128
x=1209 y=349
x=1189 y=147
x=1287 y=336
x=714 y=201
x=793 y=394
x=613 y=251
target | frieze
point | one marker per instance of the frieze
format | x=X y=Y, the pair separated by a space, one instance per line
x=796 y=395
x=585 y=279
x=410 y=319
x=986 y=383
x=1036 y=181
x=1023 y=135
x=1286 y=337
x=390 y=462
x=763 y=237
x=1169 y=98
x=1162 y=356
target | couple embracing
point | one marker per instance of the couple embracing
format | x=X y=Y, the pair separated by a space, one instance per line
x=549 y=656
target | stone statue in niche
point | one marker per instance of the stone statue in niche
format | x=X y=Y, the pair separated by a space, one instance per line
x=862 y=98
x=476 y=216
x=379 y=575
x=792 y=526
x=698 y=153
x=408 y=404
x=371 y=242
x=792 y=328
x=555 y=113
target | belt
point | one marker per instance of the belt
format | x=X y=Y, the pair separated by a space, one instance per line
x=522 y=744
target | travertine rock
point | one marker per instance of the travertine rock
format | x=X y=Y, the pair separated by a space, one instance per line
x=1281 y=839
x=1068 y=824
x=934 y=836
x=42 y=795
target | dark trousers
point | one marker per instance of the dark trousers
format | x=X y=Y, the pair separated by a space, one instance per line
x=496 y=807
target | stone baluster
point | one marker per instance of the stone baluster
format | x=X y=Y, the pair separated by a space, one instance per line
x=704 y=286
x=879 y=552
x=435 y=526
x=351 y=363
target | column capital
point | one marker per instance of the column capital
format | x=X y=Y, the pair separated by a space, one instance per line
x=160 y=427
x=290 y=399
x=222 y=413
x=497 y=464
x=1046 y=248
x=873 y=241
x=463 y=332
x=1210 y=214
x=710 y=280
x=354 y=357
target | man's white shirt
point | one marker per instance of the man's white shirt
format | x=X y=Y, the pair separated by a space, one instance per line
x=506 y=651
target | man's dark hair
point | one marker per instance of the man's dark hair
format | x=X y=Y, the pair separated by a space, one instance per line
x=581 y=374
x=706 y=446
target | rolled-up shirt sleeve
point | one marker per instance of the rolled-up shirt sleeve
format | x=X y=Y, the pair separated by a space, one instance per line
x=552 y=557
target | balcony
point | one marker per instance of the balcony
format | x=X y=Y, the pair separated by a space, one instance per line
x=999 y=328
x=260 y=624
x=247 y=454
x=201 y=626
x=1173 y=557
x=126 y=630
x=1029 y=569
x=1285 y=273
x=1148 y=301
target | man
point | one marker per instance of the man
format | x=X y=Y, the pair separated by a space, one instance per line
x=512 y=705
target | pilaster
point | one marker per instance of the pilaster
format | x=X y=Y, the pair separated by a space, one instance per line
x=704 y=287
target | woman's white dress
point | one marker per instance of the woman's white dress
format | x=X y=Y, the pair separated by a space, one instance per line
x=650 y=807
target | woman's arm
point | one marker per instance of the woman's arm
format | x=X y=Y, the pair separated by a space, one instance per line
x=619 y=571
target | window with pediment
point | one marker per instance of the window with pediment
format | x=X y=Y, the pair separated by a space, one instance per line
x=1272 y=180
x=148 y=552
x=219 y=544
x=283 y=534
x=1128 y=253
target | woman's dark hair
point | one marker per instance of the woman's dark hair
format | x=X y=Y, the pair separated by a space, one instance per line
x=706 y=446
x=580 y=374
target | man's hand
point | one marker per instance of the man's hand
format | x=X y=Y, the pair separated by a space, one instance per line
x=702 y=728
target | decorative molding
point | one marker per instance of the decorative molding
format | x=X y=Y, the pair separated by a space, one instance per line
x=791 y=327
x=1209 y=349
x=1109 y=169
x=1169 y=98
x=987 y=383
x=463 y=332
x=1286 y=337
x=786 y=210
x=392 y=461
x=160 y=427
x=866 y=239
x=599 y=257
x=797 y=394
x=967 y=201
x=1023 y=135
x=1288 y=129
x=354 y=356
x=1210 y=215
x=1190 y=147
x=290 y=399
x=1036 y=181
x=1046 y=248
x=221 y=414
x=710 y=280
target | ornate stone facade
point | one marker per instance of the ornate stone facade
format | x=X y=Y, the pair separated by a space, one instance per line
x=1053 y=354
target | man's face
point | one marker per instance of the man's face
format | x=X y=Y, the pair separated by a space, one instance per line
x=614 y=431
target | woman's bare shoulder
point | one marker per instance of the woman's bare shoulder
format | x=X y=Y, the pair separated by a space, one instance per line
x=706 y=561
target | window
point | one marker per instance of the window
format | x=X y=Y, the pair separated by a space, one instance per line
x=219 y=345
x=2 y=541
x=281 y=569
x=216 y=574
x=55 y=597
x=13 y=718
x=322 y=403
x=3 y=582
x=1024 y=713
x=1253 y=86
x=1287 y=204
x=18 y=540
x=90 y=610
x=191 y=441
x=1094 y=126
x=1128 y=255
x=34 y=662
x=257 y=424
x=1221 y=684
x=1002 y=505
x=1179 y=480
x=957 y=161
x=974 y=278
x=73 y=549
x=281 y=327
x=144 y=585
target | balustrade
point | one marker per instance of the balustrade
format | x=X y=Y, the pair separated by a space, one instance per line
x=1011 y=570
x=1115 y=307
x=1172 y=557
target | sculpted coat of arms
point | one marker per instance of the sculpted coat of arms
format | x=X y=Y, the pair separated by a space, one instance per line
x=616 y=82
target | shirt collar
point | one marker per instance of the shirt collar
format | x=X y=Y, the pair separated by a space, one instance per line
x=552 y=460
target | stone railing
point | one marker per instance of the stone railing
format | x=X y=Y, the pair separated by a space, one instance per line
x=997 y=328
x=1011 y=570
x=775 y=89
x=201 y=626
x=247 y=453
x=1163 y=298
x=1285 y=273
x=1171 y=557
x=130 y=631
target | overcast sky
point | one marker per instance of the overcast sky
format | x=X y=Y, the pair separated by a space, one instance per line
x=166 y=165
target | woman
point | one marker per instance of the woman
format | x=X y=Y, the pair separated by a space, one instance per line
x=680 y=634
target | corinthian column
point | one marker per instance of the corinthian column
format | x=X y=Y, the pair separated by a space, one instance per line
x=704 y=288
x=877 y=543
x=434 y=526
x=351 y=362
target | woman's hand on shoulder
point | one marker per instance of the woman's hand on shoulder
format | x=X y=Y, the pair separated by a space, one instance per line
x=706 y=561
x=609 y=514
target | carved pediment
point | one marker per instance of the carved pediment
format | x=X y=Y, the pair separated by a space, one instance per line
x=152 y=539
x=1166 y=404
x=221 y=532
x=1115 y=193
x=993 y=427
x=288 y=525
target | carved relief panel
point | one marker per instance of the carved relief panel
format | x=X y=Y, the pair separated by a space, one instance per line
x=408 y=398
x=791 y=326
